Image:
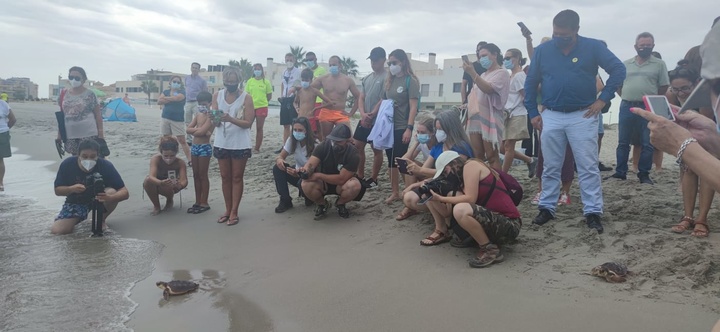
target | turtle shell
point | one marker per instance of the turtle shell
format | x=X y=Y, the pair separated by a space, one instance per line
x=611 y=272
x=181 y=286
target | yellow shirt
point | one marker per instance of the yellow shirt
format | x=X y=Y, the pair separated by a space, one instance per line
x=259 y=89
x=319 y=71
x=4 y=96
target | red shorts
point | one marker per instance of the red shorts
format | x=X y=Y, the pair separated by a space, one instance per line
x=314 y=118
x=261 y=112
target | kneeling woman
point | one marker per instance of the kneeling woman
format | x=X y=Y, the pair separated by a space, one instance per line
x=488 y=215
x=168 y=174
x=300 y=145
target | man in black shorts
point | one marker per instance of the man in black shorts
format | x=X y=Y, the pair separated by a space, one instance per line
x=371 y=94
x=331 y=171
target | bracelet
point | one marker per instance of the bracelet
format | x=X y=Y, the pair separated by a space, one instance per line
x=680 y=153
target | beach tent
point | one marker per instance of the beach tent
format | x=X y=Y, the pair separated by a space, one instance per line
x=117 y=110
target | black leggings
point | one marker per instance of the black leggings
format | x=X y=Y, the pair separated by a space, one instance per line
x=282 y=179
x=398 y=150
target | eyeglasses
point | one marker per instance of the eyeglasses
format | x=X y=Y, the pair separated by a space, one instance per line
x=392 y=63
x=686 y=88
x=75 y=78
x=178 y=82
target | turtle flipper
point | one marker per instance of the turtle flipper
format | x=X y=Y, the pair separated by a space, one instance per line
x=166 y=295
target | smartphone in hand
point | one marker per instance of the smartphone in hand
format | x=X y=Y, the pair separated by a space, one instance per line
x=402 y=165
x=465 y=59
x=660 y=106
x=524 y=29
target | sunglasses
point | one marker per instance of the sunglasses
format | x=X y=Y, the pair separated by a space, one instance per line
x=75 y=78
x=178 y=82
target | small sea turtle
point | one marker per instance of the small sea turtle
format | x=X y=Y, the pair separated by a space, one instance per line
x=611 y=272
x=176 y=287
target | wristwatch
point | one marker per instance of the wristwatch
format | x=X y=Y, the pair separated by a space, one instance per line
x=411 y=127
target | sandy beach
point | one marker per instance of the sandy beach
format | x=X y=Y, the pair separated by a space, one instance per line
x=287 y=272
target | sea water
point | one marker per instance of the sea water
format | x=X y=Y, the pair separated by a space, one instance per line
x=61 y=283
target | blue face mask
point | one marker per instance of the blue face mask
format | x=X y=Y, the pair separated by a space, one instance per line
x=299 y=135
x=334 y=70
x=305 y=84
x=423 y=138
x=257 y=73
x=508 y=64
x=562 y=42
x=175 y=85
x=485 y=62
x=310 y=64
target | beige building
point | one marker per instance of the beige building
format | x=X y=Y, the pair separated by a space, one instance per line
x=19 y=88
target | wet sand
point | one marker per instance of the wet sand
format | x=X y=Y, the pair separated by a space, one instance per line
x=287 y=272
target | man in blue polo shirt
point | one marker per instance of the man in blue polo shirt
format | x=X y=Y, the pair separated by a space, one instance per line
x=566 y=68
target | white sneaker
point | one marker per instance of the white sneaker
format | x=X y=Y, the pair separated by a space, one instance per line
x=536 y=199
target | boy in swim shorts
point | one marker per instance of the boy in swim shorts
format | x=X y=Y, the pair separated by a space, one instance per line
x=201 y=128
x=305 y=100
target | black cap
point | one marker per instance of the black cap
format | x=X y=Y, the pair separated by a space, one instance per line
x=341 y=132
x=377 y=53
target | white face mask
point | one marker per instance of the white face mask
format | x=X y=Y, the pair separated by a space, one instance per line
x=75 y=83
x=88 y=164
x=290 y=64
x=440 y=135
x=395 y=69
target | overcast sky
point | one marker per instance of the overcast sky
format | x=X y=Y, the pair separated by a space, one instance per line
x=114 y=39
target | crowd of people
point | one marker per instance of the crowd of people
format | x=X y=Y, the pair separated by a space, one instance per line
x=554 y=106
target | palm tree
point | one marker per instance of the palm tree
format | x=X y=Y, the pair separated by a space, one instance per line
x=148 y=87
x=245 y=66
x=350 y=66
x=299 y=54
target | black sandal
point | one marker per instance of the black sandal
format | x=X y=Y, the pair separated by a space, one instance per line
x=200 y=209
x=193 y=208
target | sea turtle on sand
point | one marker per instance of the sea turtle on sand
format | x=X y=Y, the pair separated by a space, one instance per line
x=176 y=287
x=611 y=272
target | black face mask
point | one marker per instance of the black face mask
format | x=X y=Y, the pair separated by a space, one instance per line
x=339 y=149
x=454 y=180
x=644 y=52
x=231 y=87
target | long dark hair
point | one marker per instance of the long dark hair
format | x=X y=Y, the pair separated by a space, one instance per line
x=309 y=138
x=80 y=70
x=406 y=67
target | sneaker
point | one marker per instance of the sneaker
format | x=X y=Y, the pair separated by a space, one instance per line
x=593 y=221
x=532 y=167
x=604 y=168
x=536 y=199
x=342 y=211
x=543 y=217
x=283 y=206
x=564 y=199
x=370 y=183
x=321 y=210
x=645 y=179
x=617 y=176
x=488 y=255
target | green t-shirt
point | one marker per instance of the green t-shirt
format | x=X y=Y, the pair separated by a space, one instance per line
x=259 y=89
x=644 y=79
x=401 y=94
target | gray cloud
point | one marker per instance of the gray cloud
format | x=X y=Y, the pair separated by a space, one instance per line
x=114 y=39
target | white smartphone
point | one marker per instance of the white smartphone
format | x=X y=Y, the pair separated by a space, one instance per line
x=660 y=106
x=172 y=175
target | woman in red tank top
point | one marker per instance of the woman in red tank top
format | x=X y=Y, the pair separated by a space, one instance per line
x=495 y=223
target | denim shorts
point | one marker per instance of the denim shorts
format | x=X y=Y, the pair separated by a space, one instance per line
x=221 y=153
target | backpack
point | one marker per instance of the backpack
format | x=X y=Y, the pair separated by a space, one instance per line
x=513 y=187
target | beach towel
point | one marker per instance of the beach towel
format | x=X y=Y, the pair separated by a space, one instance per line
x=486 y=111
x=382 y=132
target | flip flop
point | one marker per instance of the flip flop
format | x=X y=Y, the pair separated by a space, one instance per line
x=223 y=219
x=193 y=208
x=200 y=209
x=233 y=221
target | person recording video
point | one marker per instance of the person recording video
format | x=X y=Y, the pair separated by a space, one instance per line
x=83 y=179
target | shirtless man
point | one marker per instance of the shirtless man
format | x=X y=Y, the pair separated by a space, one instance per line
x=306 y=97
x=335 y=86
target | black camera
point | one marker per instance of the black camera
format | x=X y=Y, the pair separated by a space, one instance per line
x=303 y=175
x=95 y=183
x=441 y=186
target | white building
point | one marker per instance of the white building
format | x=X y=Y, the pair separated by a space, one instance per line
x=439 y=88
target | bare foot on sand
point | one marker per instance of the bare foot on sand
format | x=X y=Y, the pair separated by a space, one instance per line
x=156 y=211
x=168 y=205
x=392 y=198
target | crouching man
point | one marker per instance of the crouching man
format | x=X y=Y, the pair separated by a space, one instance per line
x=331 y=171
x=74 y=179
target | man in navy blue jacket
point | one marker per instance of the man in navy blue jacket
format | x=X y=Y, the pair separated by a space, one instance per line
x=566 y=70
